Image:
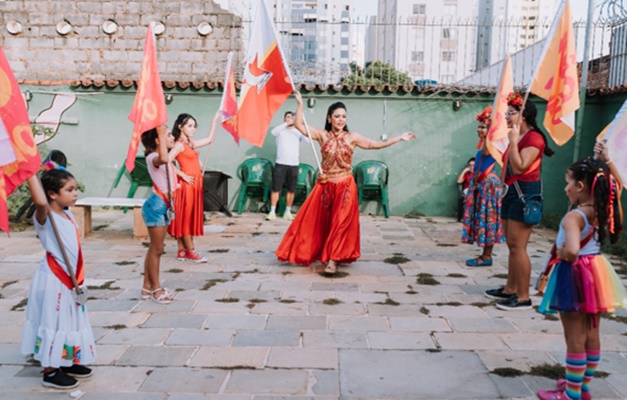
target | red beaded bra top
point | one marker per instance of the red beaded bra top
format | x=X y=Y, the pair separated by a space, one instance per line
x=337 y=156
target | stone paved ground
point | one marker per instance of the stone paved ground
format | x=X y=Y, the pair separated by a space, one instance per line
x=245 y=326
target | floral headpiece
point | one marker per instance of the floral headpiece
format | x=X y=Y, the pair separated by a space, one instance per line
x=50 y=165
x=514 y=100
x=484 y=115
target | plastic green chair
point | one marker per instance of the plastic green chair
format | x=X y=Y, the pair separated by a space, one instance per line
x=256 y=177
x=304 y=184
x=371 y=178
x=139 y=177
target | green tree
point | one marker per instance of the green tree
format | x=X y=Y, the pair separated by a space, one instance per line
x=377 y=73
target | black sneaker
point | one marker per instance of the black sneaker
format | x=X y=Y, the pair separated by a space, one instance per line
x=77 y=371
x=512 y=304
x=497 y=294
x=57 y=379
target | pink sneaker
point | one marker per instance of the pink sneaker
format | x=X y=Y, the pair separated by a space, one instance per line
x=180 y=255
x=192 y=255
x=561 y=385
x=554 y=394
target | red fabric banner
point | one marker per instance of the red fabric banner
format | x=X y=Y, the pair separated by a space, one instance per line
x=149 y=107
x=21 y=159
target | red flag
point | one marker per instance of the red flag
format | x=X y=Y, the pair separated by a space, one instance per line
x=556 y=79
x=228 y=105
x=266 y=83
x=149 y=107
x=19 y=157
x=497 y=140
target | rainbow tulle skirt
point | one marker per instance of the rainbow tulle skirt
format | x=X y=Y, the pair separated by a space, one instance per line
x=589 y=285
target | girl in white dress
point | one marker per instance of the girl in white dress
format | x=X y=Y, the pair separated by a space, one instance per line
x=57 y=331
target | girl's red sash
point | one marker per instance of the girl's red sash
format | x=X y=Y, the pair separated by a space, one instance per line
x=57 y=269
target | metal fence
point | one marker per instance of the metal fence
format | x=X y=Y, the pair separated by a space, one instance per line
x=463 y=53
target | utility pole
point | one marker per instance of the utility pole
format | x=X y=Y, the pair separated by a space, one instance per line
x=584 y=82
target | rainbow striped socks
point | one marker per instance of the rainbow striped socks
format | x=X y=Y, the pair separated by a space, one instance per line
x=592 y=357
x=576 y=365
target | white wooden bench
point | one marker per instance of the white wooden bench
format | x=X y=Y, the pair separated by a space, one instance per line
x=82 y=213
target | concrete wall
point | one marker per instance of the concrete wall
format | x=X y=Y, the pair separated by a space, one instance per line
x=94 y=133
x=39 y=53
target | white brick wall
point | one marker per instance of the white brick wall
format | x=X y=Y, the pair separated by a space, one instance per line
x=39 y=53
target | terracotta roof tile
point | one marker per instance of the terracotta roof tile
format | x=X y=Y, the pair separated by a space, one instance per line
x=318 y=88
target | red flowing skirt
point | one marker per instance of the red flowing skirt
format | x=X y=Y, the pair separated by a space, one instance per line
x=189 y=216
x=326 y=227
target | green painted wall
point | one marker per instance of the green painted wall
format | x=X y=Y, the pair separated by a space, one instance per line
x=422 y=173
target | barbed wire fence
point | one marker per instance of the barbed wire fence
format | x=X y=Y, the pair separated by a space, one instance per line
x=445 y=54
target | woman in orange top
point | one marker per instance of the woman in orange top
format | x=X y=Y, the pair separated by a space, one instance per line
x=189 y=199
x=326 y=227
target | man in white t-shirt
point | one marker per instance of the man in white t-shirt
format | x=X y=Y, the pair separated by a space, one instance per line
x=285 y=170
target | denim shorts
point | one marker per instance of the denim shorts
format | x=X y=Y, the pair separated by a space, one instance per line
x=512 y=207
x=154 y=211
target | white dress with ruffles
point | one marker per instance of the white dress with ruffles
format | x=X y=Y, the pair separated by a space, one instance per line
x=57 y=331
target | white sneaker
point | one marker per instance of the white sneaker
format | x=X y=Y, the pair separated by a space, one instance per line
x=288 y=216
x=271 y=216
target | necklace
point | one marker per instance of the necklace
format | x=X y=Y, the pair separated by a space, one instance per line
x=586 y=205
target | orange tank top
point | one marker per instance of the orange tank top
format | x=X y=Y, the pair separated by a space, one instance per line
x=188 y=160
x=337 y=156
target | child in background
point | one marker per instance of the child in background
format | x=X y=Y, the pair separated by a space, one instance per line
x=463 y=181
x=157 y=142
x=57 y=331
x=583 y=283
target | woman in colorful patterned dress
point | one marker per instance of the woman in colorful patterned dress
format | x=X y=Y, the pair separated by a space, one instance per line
x=482 y=206
x=189 y=199
x=326 y=227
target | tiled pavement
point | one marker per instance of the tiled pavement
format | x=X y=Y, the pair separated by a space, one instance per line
x=245 y=326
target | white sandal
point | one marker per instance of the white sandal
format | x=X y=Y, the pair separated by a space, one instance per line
x=164 y=298
x=146 y=296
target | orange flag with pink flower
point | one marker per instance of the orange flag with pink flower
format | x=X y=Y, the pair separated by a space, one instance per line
x=556 y=78
x=497 y=140
x=228 y=105
x=19 y=157
x=148 y=110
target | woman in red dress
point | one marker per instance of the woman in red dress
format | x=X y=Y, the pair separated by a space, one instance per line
x=189 y=199
x=326 y=227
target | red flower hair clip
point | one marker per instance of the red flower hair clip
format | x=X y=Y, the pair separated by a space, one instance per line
x=484 y=115
x=514 y=100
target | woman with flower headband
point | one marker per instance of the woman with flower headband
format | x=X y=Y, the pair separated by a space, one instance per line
x=522 y=162
x=482 y=206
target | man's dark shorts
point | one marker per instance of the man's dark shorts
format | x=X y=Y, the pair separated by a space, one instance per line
x=284 y=175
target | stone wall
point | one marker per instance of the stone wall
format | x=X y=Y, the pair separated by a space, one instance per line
x=41 y=55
